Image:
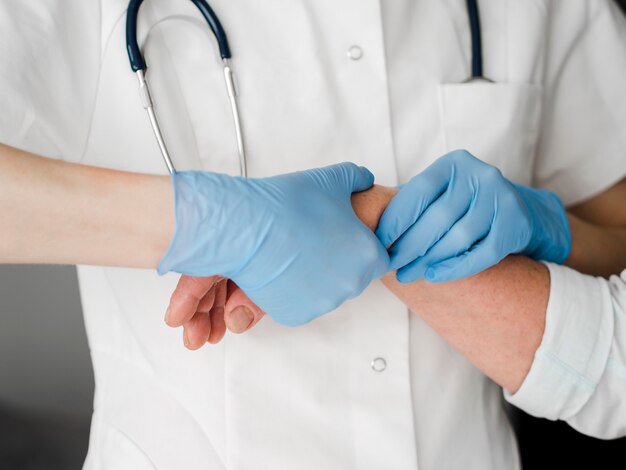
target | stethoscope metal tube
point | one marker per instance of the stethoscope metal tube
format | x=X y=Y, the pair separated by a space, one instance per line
x=138 y=65
x=146 y=101
x=231 y=88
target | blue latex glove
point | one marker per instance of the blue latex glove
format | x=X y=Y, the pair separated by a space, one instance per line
x=461 y=216
x=291 y=242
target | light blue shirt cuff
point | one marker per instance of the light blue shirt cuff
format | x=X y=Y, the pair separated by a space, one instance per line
x=574 y=349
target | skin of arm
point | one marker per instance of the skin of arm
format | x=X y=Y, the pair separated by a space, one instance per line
x=496 y=318
x=63 y=213
x=54 y=212
x=58 y=212
x=599 y=233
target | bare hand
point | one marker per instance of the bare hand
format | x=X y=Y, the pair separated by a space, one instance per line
x=206 y=306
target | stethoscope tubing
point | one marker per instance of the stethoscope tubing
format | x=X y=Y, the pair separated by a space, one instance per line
x=475 y=30
x=134 y=53
x=138 y=66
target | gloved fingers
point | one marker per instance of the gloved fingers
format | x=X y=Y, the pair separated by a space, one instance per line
x=241 y=313
x=382 y=263
x=218 y=325
x=346 y=177
x=461 y=237
x=481 y=256
x=186 y=298
x=196 y=331
x=377 y=265
x=410 y=203
x=431 y=227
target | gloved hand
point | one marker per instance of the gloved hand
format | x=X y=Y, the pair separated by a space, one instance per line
x=461 y=216
x=291 y=242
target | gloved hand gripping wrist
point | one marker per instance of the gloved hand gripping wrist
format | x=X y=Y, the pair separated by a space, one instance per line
x=461 y=216
x=292 y=242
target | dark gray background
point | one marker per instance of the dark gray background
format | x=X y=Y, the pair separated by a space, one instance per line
x=46 y=380
x=46 y=383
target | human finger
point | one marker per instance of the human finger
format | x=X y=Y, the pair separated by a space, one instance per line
x=196 y=330
x=218 y=324
x=429 y=229
x=481 y=256
x=471 y=228
x=411 y=201
x=241 y=312
x=185 y=299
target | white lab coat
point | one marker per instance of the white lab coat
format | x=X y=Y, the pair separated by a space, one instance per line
x=307 y=398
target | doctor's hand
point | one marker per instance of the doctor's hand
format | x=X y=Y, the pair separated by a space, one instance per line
x=461 y=216
x=292 y=242
x=206 y=306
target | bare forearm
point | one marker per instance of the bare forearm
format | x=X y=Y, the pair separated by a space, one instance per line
x=495 y=319
x=599 y=251
x=599 y=233
x=63 y=213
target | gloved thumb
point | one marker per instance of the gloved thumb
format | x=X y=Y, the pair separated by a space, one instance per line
x=346 y=176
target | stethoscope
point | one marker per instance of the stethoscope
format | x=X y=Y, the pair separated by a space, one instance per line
x=138 y=65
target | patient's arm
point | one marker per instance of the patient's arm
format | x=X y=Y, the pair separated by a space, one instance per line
x=495 y=319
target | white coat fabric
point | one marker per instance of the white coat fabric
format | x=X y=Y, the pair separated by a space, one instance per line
x=374 y=82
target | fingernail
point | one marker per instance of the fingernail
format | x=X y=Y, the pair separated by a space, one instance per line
x=430 y=275
x=185 y=338
x=167 y=314
x=240 y=319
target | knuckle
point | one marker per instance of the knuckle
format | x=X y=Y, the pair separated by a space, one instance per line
x=464 y=153
x=461 y=155
x=424 y=186
x=353 y=288
x=328 y=305
x=508 y=199
x=372 y=254
x=491 y=173
x=349 y=166
x=442 y=219
x=464 y=237
x=493 y=253
x=524 y=224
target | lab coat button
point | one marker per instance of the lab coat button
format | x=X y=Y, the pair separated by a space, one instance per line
x=355 y=52
x=379 y=364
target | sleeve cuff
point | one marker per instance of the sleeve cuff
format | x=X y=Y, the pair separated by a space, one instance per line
x=574 y=350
